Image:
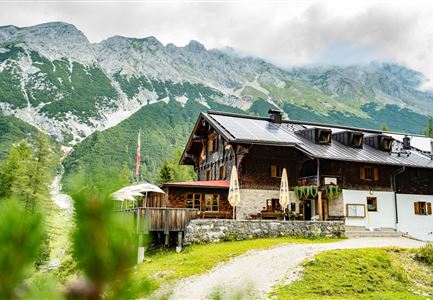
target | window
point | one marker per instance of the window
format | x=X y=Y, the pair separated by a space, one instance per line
x=208 y=175
x=193 y=200
x=356 y=141
x=324 y=137
x=212 y=144
x=423 y=208
x=276 y=171
x=212 y=202
x=293 y=207
x=222 y=172
x=369 y=173
x=215 y=144
x=371 y=203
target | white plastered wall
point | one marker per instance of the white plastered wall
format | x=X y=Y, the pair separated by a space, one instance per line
x=385 y=215
x=418 y=226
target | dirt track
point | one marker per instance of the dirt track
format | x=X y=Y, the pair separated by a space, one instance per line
x=253 y=274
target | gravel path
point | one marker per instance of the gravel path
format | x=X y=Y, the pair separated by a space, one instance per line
x=253 y=274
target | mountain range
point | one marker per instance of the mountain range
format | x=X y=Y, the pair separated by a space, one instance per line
x=93 y=95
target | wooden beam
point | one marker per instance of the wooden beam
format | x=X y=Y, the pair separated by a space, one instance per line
x=319 y=203
x=179 y=242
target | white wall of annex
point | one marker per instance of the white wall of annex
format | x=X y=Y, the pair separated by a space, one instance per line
x=418 y=226
x=385 y=215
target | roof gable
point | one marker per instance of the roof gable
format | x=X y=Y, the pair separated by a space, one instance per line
x=246 y=129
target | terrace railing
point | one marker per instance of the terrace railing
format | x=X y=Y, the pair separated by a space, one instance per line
x=324 y=180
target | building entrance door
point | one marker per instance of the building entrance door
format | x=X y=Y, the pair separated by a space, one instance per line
x=307 y=210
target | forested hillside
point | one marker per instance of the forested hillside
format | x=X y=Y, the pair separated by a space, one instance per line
x=164 y=127
x=13 y=130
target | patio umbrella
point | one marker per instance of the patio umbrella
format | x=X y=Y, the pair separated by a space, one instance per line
x=132 y=191
x=234 y=194
x=145 y=188
x=284 y=191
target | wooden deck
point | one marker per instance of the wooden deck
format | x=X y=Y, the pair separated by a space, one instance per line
x=163 y=219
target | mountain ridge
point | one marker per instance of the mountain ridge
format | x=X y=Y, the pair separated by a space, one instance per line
x=54 y=78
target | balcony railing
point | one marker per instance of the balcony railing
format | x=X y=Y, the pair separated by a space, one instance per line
x=324 y=180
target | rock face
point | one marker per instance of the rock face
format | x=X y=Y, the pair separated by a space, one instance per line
x=213 y=231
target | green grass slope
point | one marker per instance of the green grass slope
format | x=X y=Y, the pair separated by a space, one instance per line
x=361 y=274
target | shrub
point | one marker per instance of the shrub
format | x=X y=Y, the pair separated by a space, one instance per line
x=425 y=254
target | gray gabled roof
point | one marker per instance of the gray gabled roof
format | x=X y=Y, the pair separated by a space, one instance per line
x=237 y=128
x=251 y=130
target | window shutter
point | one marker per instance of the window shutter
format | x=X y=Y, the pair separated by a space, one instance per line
x=362 y=173
x=429 y=208
x=274 y=171
x=416 y=206
x=376 y=174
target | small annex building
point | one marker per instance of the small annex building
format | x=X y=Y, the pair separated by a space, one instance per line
x=365 y=177
x=209 y=198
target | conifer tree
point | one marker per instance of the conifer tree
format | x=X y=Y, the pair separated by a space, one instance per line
x=14 y=171
x=384 y=127
x=26 y=173
x=40 y=172
x=166 y=173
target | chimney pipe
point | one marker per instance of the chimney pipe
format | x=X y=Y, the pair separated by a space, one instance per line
x=276 y=115
x=406 y=142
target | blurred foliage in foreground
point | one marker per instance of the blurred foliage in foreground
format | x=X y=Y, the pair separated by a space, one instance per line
x=20 y=239
x=104 y=243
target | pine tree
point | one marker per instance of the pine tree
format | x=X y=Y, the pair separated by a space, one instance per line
x=40 y=173
x=384 y=127
x=26 y=173
x=165 y=173
x=14 y=171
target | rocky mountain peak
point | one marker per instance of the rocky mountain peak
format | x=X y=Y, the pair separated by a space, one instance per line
x=195 y=47
x=54 y=40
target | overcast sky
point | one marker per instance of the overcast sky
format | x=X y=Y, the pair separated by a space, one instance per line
x=285 y=32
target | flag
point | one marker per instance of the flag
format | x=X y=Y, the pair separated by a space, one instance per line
x=137 y=166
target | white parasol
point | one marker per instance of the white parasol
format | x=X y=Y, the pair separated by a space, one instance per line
x=284 y=192
x=234 y=193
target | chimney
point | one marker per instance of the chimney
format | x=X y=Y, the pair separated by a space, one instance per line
x=276 y=115
x=406 y=142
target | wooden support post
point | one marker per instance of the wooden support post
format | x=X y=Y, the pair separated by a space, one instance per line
x=319 y=204
x=179 y=242
x=140 y=256
x=167 y=239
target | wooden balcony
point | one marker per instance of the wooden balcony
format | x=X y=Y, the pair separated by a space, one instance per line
x=162 y=219
x=324 y=180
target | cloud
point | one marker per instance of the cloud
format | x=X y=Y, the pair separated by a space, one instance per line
x=286 y=33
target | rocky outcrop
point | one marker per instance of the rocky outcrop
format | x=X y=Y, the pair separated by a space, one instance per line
x=212 y=231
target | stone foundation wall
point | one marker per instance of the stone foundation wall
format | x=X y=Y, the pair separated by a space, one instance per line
x=336 y=207
x=253 y=201
x=212 y=231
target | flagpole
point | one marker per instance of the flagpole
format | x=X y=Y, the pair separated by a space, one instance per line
x=138 y=157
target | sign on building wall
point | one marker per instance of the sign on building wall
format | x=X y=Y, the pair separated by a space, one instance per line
x=355 y=210
x=330 y=180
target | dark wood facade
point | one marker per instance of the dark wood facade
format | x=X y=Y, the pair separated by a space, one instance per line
x=214 y=149
x=415 y=181
x=211 y=202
